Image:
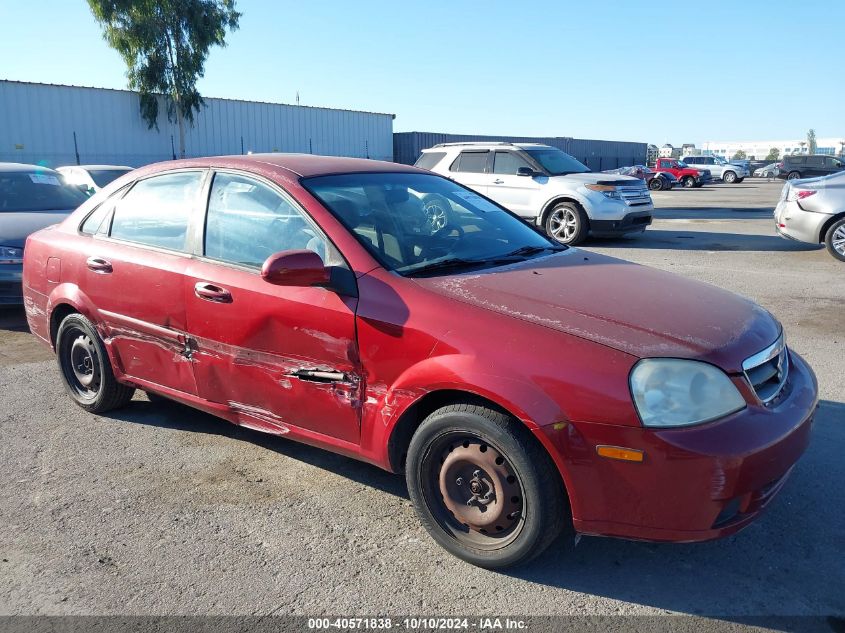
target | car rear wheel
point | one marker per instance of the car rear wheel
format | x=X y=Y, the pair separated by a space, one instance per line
x=482 y=486
x=86 y=368
x=729 y=177
x=835 y=240
x=656 y=184
x=567 y=223
x=793 y=175
x=689 y=182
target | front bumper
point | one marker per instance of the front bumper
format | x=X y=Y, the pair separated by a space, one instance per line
x=11 y=288
x=694 y=484
x=793 y=222
x=635 y=222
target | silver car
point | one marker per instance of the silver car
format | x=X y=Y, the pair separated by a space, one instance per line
x=813 y=210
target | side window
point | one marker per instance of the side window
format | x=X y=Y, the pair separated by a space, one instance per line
x=248 y=221
x=815 y=161
x=508 y=163
x=94 y=221
x=692 y=160
x=472 y=162
x=156 y=210
x=429 y=159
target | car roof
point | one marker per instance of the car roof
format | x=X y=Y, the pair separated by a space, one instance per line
x=487 y=144
x=23 y=167
x=303 y=165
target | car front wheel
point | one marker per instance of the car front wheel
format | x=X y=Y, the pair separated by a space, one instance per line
x=835 y=240
x=86 y=368
x=689 y=182
x=567 y=223
x=729 y=177
x=483 y=488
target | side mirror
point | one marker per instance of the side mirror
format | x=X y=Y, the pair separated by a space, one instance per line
x=525 y=171
x=295 y=268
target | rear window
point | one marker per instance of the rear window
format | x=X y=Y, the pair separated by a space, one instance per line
x=37 y=191
x=102 y=177
x=429 y=159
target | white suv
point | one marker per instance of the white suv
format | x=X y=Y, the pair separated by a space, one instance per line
x=547 y=186
x=719 y=168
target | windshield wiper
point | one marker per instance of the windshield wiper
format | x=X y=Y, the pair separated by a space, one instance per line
x=452 y=262
x=531 y=250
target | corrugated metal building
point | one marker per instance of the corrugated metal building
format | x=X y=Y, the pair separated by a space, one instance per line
x=597 y=155
x=38 y=123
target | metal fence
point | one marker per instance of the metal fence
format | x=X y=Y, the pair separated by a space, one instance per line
x=597 y=155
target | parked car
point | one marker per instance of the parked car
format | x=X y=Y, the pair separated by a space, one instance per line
x=312 y=298
x=813 y=210
x=728 y=172
x=31 y=198
x=808 y=166
x=767 y=171
x=92 y=178
x=686 y=175
x=546 y=186
x=655 y=180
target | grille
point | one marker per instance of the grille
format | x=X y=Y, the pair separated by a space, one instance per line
x=635 y=195
x=767 y=370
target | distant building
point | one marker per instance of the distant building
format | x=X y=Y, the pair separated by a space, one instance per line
x=652 y=154
x=668 y=151
x=759 y=150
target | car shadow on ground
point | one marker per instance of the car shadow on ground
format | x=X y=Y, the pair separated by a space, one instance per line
x=661 y=239
x=778 y=557
x=172 y=415
x=706 y=214
x=13 y=319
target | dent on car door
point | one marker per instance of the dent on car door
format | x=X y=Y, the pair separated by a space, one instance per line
x=133 y=272
x=278 y=356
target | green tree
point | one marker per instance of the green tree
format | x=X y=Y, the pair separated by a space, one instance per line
x=774 y=154
x=165 y=44
x=739 y=155
x=811 y=140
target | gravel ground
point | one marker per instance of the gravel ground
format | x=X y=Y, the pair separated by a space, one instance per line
x=159 y=509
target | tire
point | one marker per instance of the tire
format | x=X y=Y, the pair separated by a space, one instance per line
x=463 y=454
x=793 y=175
x=567 y=223
x=834 y=239
x=656 y=184
x=688 y=182
x=85 y=367
x=438 y=213
x=729 y=177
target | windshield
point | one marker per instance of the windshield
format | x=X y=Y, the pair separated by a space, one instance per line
x=102 y=177
x=37 y=191
x=681 y=164
x=426 y=224
x=556 y=162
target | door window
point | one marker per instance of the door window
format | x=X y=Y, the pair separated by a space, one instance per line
x=508 y=163
x=472 y=162
x=157 y=210
x=248 y=221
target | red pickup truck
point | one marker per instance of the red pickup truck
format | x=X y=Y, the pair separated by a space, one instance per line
x=686 y=175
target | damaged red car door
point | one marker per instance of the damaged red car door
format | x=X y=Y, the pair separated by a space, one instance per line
x=278 y=355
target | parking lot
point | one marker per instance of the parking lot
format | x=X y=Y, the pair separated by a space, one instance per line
x=158 y=509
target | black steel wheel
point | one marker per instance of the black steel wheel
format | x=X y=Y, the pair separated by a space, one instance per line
x=483 y=488
x=86 y=368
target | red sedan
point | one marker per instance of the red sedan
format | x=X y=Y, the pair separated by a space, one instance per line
x=394 y=316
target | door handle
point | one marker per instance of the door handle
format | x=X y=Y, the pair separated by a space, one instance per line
x=99 y=265
x=498 y=181
x=210 y=292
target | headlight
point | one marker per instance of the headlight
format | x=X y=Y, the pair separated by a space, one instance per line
x=9 y=255
x=671 y=392
x=608 y=191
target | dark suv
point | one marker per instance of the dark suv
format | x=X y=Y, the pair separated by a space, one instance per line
x=792 y=167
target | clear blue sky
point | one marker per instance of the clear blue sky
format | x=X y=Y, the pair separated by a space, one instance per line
x=640 y=71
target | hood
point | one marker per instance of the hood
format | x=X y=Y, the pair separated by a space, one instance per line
x=15 y=226
x=595 y=177
x=642 y=311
